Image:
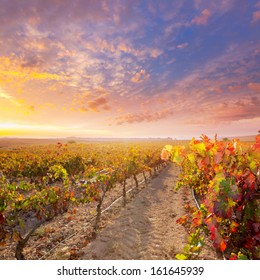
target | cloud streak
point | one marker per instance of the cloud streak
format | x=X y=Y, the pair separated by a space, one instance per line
x=203 y=18
x=147 y=116
x=8 y=97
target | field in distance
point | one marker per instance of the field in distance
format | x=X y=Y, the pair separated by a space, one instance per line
x=10 y=143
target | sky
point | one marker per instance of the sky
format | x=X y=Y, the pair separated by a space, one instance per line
x=129 y=68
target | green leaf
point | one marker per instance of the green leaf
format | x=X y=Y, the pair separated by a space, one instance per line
x=26 y=203
x=242 y=257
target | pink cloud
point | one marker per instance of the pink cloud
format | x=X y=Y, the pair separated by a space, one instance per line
x=220 y=6
x=171 y=61
x=144 y=116
x=235 y=88
x=226 y=111
x=182 y=46
x=256 y=16
x=140 y=76
x=254 y=86
x=120 y=46
x=154 y=53
x=202 y=19
x=124 y=47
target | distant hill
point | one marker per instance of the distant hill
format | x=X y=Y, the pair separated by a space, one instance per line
x=12 y=142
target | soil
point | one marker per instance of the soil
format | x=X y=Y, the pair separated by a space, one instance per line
x=145 y=228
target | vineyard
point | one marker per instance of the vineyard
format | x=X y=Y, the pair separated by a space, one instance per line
x=224 y=177
x=39 y=183
x=44 y=187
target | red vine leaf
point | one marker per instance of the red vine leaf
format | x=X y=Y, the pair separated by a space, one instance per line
x=256 y=146
x=222 y=246
x=233 y=256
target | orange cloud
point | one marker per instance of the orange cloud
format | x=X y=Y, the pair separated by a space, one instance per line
x=95 y=104
x=256 y=16
x=140 y=76
x=202 y=19
x=123 y=47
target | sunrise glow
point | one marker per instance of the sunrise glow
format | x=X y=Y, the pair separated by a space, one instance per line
x=129 y=69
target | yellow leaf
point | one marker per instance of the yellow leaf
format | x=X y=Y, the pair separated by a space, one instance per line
x=231 y=202
x=168 y=148
x=181 y=257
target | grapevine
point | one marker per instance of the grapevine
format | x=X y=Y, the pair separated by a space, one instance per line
x=39 y=183
x=225 y=177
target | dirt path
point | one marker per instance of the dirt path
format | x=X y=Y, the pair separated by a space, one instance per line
x=146 y=228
